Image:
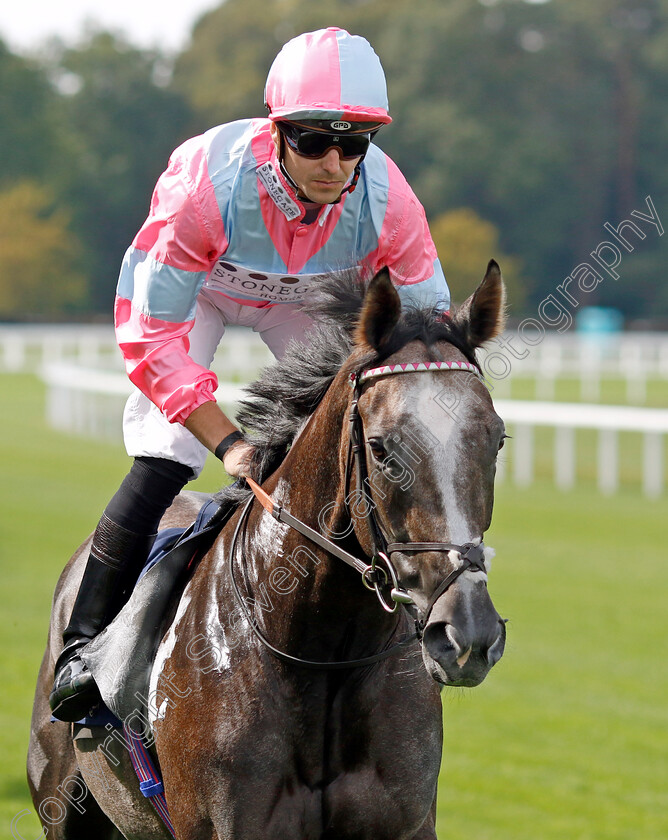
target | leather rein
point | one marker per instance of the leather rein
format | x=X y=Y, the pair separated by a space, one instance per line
x=379 y=574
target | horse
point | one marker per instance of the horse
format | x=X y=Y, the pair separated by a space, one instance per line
x=295 y=696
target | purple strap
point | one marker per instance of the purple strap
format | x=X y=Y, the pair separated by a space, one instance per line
x=150 y=783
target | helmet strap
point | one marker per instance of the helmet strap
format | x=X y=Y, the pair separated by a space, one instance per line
x=284 y=169
x=289 y=178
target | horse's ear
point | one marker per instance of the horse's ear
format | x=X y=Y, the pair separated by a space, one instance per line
x=483 y=315
x=380 y=312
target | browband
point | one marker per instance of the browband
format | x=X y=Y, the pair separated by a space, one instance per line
x=412 y=367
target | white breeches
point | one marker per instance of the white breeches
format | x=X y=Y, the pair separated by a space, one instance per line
x=147 y=432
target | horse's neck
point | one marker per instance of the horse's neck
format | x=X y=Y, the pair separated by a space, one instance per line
x=309 y=481
x=309 y=485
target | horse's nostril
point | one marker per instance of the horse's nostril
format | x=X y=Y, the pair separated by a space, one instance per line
x=458 y=643
x=440 y=642
x=446 y=644
x=464 y=658
x=453 y=648
x=495 y=651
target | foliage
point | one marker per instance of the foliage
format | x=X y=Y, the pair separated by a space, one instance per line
x=26 y=120
x=222 y=74
x=546 y=119
x=40 y=257
x=465 y=243
x=121 y=128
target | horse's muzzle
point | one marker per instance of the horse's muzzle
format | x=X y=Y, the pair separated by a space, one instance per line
x=463 y=655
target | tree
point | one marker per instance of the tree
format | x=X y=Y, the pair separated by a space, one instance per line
x=27 y=139
x=40 y=257
x=547 y=120
x=118 y=127
x=465 y=243
x=222 y=73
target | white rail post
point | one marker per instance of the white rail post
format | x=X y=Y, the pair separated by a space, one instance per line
x=88 y=350
x=608 y=461
x=663 y=360
x=631 y=367
x=564 y=457
x=501 y=468
x=14 y=353
x=549 y=367
x=523 y=454
x=590 y=371
x=53 y=349
x=652 y=473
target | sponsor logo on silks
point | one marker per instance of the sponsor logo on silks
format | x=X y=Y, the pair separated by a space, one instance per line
x=277 y=192
x=240 y=282
x=340 y=125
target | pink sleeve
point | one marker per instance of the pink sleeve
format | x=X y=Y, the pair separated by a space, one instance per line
x=405 y=246
x=184 y=228
x=157 y=362
x=161 y=276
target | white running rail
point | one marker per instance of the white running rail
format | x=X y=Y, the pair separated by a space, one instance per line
x=90 y=402
x=565 y=419
x=636 y=358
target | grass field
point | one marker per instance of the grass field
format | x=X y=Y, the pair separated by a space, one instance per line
x=566 y=740
x=612 y=391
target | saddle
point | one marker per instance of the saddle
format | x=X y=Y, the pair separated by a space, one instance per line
x=121 y=656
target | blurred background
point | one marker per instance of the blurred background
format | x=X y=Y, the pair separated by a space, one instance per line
x=530 y=131
x=523 y=127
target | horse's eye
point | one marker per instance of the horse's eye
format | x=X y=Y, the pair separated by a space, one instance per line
x=377 y=448
x=502 y=441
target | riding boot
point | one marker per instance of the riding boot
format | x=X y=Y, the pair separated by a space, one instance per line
x=116 y=559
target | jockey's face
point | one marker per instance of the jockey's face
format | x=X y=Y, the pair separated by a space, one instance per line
x=319 y=179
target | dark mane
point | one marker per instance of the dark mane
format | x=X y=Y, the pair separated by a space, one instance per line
x=288 y=391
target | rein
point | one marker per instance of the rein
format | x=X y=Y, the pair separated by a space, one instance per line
x=278 y=513
x=380 y=572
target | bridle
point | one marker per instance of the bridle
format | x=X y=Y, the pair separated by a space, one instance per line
x=376 y=576
x=379 y=573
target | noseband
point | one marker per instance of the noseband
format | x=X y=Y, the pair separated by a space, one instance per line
x=380 y=573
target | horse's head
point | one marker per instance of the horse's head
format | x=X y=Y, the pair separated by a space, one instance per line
x=431 y=441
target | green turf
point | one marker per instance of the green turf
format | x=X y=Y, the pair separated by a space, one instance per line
x=611 y=391
x=630 y=457
x=567 y=738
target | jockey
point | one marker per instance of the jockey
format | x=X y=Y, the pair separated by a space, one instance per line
x=242 y=222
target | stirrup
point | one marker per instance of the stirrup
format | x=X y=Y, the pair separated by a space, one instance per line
x=74 y=690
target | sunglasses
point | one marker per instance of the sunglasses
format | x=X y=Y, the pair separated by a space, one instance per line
x=315 y=144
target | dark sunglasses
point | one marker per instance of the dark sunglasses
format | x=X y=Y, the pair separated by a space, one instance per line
x=314 y=144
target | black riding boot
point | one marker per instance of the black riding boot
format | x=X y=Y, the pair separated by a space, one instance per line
x=115 y=561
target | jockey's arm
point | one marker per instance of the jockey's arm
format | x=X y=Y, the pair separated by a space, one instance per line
x=406 y=246
x=210 y=425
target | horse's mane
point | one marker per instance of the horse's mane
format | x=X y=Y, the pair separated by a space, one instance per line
x=288 y=391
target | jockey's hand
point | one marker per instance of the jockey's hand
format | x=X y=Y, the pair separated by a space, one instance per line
x=237 y=459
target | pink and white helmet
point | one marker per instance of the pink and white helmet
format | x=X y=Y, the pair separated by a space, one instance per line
x=327 y=75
